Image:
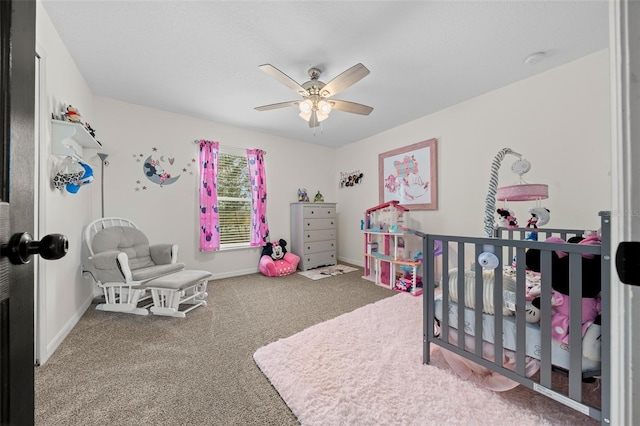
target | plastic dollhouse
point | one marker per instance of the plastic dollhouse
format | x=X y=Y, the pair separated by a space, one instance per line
x=388 y=260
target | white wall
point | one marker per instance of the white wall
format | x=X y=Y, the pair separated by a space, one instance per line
x=65 y=293
x=169 y=213
x=559 y=120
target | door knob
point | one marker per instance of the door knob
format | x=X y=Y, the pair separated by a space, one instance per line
x=22 y=246
x=628 y=262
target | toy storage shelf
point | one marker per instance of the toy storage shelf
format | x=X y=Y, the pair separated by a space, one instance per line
x=72 y=139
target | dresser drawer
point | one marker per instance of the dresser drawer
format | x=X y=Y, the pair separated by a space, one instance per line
x=311 y=224
x=319 y=247
x=319 y=212
x=319 y=259
x=322 y=235
x=314 y=234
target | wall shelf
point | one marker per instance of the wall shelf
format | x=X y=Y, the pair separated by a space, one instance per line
x=73 y=139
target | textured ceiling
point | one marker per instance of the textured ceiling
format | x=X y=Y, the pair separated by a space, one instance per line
x=201 y=58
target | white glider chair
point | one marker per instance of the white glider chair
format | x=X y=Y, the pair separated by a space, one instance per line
x=137 y=277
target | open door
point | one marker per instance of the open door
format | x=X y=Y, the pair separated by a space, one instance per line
x=17 y=162
x=17 y=32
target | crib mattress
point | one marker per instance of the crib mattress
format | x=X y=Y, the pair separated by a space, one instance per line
x=559 y=351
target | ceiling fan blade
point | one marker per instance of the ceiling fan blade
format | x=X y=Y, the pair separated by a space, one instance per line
x=352 y=107
x=313 y=120
x=283 y=78
x=344 y=80
x=278 y=105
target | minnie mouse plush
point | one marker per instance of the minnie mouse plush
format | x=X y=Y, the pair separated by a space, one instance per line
x=591 y=285
x=275 y=261
x=507 y=218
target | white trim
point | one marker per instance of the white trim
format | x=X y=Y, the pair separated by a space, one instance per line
x=40 y=267
x=64 y=332
x=624 y=112
x=232 y=274
x=358 y=262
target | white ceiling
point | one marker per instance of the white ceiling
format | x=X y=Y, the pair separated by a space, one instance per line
x=201 y=58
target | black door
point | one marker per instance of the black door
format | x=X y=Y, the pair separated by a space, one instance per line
x=17 y=33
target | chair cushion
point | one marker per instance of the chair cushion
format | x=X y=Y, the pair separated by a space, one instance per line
x=125 y=239
x=279 y=268
x=180 y=280
x=144 y=274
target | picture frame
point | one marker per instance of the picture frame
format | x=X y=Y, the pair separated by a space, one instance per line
x=410 y=175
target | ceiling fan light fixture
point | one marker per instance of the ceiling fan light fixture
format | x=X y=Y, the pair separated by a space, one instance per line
x=315 y=106
x=324 y=107
x=306 y=106
x=321 y=116
x=306 y=116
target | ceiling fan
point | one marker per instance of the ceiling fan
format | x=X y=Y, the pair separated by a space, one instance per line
x=316 y=104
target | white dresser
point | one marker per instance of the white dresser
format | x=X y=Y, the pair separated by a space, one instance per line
x=313 y=234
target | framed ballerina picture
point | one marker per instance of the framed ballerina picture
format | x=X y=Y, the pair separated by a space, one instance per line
x=409 y=175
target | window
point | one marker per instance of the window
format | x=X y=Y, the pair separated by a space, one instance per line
x=234 y=200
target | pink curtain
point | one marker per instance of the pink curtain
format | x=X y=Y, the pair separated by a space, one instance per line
x=209 y=224
x=258 y=181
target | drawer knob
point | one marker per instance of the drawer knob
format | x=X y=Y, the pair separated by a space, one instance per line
x=308 y=236
x=332 y=223
x=308 y=224
x=308 y=247
x=312 y=212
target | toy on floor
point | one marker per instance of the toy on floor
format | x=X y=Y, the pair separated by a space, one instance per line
x=275 y=261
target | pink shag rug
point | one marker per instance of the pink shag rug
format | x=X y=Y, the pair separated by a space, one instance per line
x=365 y=367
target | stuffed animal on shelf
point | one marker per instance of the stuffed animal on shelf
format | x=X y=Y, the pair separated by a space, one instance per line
x=591 y=285
x=276 y=261
x=303 y=197
x=72 y=114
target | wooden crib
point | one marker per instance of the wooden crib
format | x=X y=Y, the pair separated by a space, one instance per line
x=510 y=247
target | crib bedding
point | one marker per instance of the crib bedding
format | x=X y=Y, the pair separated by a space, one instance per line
x=508 y=285
x=559 y=352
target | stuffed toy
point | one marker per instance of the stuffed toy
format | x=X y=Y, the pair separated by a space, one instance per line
x=539 y=217
x=591 y=285
x=507 y=218
x=72 y=114
x=302 y=195
x=275 y=261
x=591 y=342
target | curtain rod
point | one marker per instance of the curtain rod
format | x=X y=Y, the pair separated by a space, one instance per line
x=197 y=142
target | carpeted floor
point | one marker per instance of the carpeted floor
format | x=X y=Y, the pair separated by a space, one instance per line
x=120 y=369
x=365 y=367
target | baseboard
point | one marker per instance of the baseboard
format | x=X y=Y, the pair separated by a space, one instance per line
x=64 y=332
x=358 y=262
x=231 y=274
